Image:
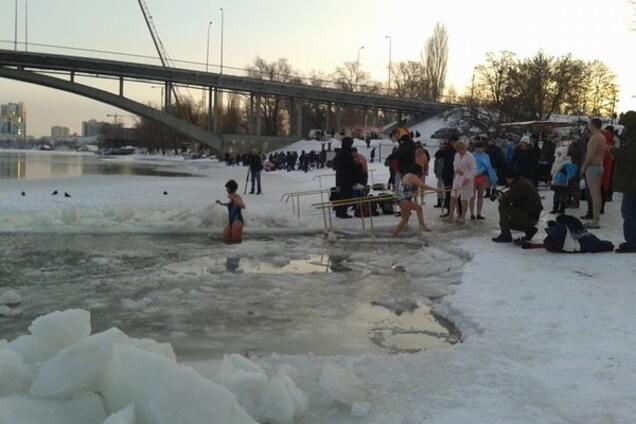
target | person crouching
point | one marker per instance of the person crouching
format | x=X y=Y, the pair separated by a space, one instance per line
x=519 y=208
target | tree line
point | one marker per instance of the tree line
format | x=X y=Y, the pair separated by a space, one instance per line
x=504 y=88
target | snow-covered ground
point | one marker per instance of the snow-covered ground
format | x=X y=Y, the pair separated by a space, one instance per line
x=546 y=338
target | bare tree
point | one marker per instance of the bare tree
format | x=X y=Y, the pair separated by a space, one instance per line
x=409 y=80
x=272 y=108
x=601 y=89
x=350 y=77
x=435 y=61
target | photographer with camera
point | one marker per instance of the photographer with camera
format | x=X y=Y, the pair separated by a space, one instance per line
x=519 y=208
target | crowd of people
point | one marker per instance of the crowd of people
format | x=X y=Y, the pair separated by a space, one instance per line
x=470 y=170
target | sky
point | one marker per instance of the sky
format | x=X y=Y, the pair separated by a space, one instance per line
x=312 y=35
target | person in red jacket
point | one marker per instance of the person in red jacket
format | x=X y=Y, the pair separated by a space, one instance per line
x=608 y=167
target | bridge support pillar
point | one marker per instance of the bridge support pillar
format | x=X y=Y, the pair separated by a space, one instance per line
x=167 y=102
x=399 y=118
x=328 y=117
x=72 y=76
x=299 y=120
x=258 y=116
x=338 y=118
x=121 y=86
x=250 y=115
x=210 y=119
x=291 y=116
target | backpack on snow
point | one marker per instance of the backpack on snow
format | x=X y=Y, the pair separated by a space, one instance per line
x=567 y=235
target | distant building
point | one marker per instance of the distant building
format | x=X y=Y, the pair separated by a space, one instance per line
x=92 y=128
x=60 y=132
x=13 y=121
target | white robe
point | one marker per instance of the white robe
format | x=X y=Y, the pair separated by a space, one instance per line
x=464 y=185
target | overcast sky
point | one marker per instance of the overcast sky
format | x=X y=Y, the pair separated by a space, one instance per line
x=316 y=34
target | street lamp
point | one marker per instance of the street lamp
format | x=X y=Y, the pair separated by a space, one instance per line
x=222 y=30
x=358 y=65
x=207 y=50
x=26 y=25
x=388 y=87
x=15 y=27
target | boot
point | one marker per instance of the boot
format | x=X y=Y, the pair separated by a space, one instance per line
x=503 y=238
x=530 y=233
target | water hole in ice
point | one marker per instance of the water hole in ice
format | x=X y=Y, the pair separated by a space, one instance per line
x=290 y=295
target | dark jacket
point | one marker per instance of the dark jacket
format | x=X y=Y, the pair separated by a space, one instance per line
x=406 y=156
x=496 y=157
x=344 y=166
x=255 y=163
x=448 y=169
x=525 y=163
x=524 y=195
x=625 y=167
x=576 y=151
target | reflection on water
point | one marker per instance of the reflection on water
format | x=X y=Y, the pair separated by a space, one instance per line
x=34 y=165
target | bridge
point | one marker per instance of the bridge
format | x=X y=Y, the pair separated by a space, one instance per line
x=33 y=67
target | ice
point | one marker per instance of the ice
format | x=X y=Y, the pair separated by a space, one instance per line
x=342 y=385
x=124 y=416
x=81 y=366
x=6 y=311
x=15 y=376
x=360 y=409
x=86 y=408
x=166 y=393
x=31 y=349
x=136 y=304
x=277 y=400
x=61 y=329
x=10 y=297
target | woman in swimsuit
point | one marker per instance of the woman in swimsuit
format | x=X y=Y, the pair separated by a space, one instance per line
x=411 y=182
x=233 y=233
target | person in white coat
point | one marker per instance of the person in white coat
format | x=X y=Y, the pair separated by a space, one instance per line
x=464 y=182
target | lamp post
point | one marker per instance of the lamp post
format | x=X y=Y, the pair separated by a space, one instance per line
x=358 y=66
x=15 y=27
x=26 y=25
x=388 y=87
x=207 y=49
x=222 y=30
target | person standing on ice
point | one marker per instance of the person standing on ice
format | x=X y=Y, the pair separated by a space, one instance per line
x=464 y=181
x=411 y=182
x=233 y=232
x=344 y=165
x=486 y=176
x=255 y=163
x=448 y=172
x=593 y=169
x=625 y=181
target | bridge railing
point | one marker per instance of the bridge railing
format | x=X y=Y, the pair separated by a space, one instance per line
x=194 y=65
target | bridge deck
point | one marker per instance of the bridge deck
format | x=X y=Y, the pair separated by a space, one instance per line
x=137 y=71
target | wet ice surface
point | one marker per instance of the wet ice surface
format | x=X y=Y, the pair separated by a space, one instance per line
x=285 y=295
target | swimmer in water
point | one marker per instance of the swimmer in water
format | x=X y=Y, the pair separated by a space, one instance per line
x=233 y=233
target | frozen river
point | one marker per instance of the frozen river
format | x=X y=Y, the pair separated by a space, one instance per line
x=290 y=295
x=35 y=165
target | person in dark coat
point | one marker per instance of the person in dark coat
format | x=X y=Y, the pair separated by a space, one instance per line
x=525 y=161
x=344 y=166
x=448 y=171
x=576 y=152
x=255 y=163
x=519 y=208
x=406 y=158
x=497 y=158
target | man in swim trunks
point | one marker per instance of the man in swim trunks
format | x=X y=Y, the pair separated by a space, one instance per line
x=593 y=169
